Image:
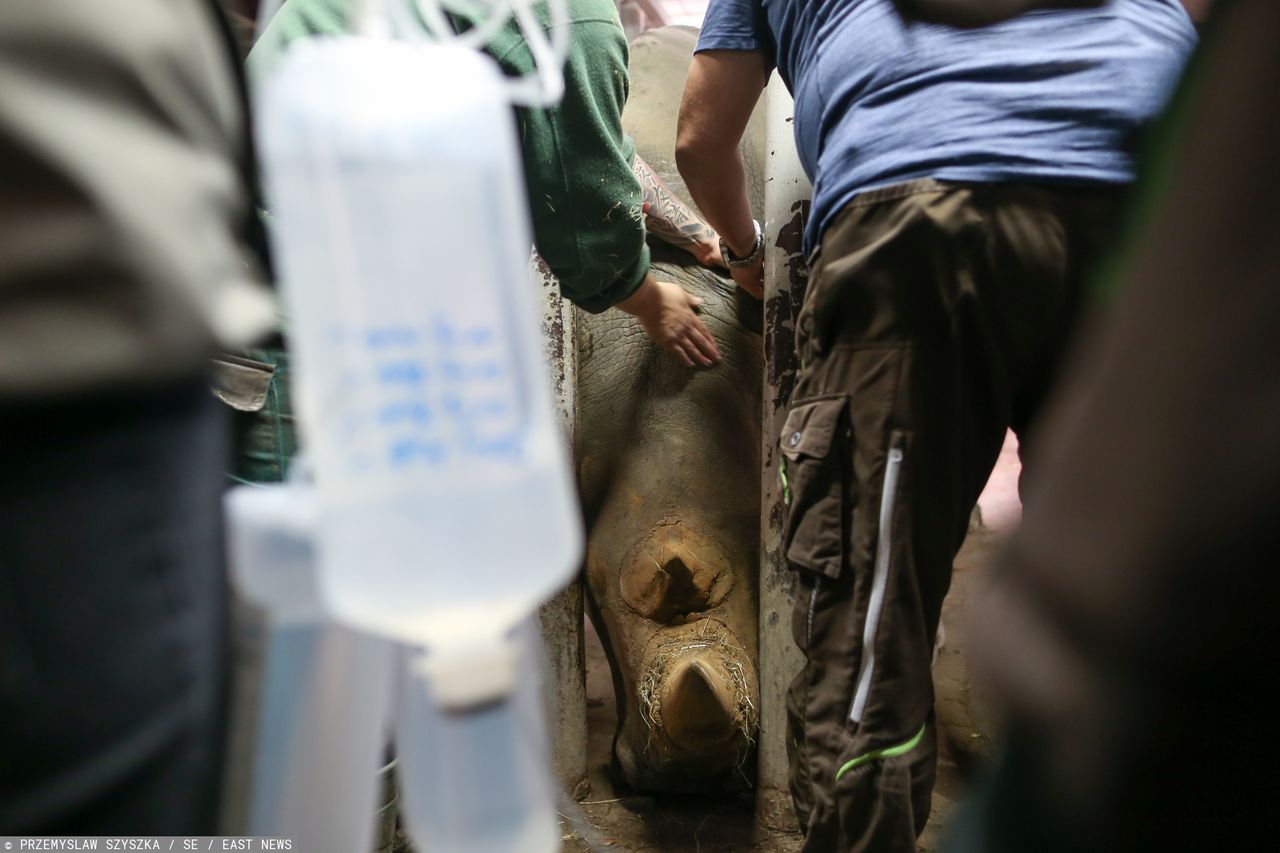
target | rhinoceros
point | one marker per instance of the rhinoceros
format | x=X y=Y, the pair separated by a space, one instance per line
x=668 y=464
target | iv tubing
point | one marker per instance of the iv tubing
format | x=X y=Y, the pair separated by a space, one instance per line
x=542 y=88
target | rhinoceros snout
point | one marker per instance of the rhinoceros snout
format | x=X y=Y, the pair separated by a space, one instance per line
x=697 y=700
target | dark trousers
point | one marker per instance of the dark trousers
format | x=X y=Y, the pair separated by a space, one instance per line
x=112 y=614
x=935 y=319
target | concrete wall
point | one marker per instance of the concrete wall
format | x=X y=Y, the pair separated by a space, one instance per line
x=565 y=689
x=787 y=195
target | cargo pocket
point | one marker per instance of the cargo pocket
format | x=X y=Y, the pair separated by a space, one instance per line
x=241 y=383
x=257 y=389
x=814 y=445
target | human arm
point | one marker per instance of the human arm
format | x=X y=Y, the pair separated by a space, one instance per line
x=667 y=218
x=586 y=201
x=722 y=89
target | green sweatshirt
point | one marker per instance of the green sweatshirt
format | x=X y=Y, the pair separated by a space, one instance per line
x=585 y=200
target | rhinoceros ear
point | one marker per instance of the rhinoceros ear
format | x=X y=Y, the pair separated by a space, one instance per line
x=697 y=704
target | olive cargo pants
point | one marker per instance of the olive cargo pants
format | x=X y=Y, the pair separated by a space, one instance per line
x=936 y=318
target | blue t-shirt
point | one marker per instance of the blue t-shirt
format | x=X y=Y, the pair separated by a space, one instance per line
x=1048 y=97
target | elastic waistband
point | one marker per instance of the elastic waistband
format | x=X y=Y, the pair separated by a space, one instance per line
x=892 y=192
x=877 y=195
x=926 y=186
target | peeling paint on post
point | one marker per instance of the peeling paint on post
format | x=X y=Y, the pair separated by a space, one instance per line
x=564 y=694
x=786 y=201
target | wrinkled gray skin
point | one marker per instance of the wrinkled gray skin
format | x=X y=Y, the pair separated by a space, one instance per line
x=668 y=462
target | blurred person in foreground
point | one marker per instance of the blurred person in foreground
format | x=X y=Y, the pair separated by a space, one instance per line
x=126 y=233
x=965 y=182
x=1127 y=630
x=591 y=198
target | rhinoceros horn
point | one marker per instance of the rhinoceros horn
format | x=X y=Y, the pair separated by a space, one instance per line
x=697 y=705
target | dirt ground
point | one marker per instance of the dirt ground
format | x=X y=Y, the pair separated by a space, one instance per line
x=613 y=819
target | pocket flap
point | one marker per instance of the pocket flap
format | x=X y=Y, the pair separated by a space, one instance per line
x=241 y=383
x=810 y=428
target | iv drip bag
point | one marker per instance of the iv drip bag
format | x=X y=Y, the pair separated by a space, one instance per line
x=445 y=506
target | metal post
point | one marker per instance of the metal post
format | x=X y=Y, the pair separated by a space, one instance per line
x=786 y=202
x=565 y=690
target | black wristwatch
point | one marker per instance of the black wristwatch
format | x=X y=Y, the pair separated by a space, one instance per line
x=736 y=263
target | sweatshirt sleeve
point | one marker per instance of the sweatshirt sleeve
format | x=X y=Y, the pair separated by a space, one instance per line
x=586 y=203
x=584 y=199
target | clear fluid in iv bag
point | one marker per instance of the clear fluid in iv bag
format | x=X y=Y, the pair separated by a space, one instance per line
x=401 y=229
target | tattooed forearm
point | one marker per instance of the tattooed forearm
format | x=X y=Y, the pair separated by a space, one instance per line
x=666 y=217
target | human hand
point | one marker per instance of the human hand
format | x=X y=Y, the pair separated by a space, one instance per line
x=751 y=279
x=667 y=316
x=707 y=253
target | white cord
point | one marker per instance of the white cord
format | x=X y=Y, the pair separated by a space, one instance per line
x=267 y=10
x=545 y=86
x=433 y=16
x=371 y=18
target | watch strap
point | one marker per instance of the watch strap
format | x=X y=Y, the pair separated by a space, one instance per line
x=757 y=248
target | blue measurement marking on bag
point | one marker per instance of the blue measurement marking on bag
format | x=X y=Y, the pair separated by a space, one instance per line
x=441 y=393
